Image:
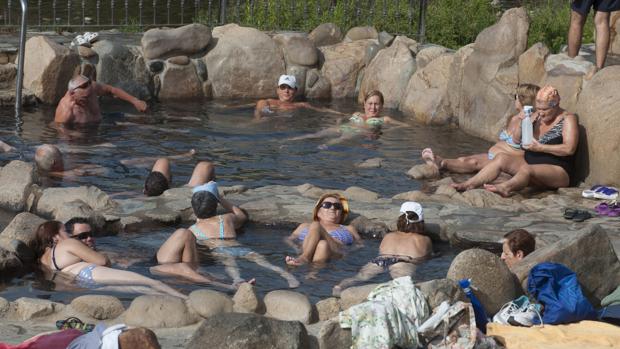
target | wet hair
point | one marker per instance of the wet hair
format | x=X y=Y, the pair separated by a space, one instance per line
x=44 y=237
x=155 y=184
x=204 y=204
x=402 y=225
x=48 y=158
x=520 y=240
x=343 y=201
x=374 y=93
x=73 y=221
x=526 y=94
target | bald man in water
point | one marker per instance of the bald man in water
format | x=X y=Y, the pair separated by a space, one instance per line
x=49 y=160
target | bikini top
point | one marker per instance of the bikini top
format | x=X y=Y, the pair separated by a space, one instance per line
x=341 y=233
x=54 y=258
x=201 y=235
x=375 y=122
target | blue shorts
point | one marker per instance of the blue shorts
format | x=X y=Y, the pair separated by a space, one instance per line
x=583 y=6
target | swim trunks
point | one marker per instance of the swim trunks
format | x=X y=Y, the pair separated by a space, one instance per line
x=504 y=136
x=583 y=6
x=341 y=234
x=386 y=261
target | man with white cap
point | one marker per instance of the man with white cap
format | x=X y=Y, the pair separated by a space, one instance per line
x=399 y=251
x=287 y=87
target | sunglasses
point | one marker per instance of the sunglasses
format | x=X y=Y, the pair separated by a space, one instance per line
x=83 y=236
x=285 y=87
x=327 y=205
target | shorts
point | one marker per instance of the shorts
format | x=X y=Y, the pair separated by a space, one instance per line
x=583 y=6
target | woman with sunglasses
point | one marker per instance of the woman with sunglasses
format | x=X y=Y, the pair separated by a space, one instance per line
x=57 y=251
x=326 y=236
x=548 y=161
x=508 y=143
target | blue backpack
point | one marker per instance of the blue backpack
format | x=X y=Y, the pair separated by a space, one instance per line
x=557 y=288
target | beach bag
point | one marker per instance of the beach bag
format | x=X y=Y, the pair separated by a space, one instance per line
x=456 y=329
x=557 y=288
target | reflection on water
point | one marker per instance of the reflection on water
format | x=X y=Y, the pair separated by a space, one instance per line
x=244 y=152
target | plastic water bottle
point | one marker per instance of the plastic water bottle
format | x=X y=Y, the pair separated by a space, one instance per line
x=527 y=129
x=480 y=314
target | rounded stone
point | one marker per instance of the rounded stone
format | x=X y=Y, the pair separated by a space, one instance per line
x=86 y=52
x=325 y=34
x=30 y=308
x=98 y=306
x=288 y=306
x=328 y=308
x=355 y=295
x=492 y=281
x=159 y=311
x=179 y=60
x=362 y=33
x=208 y=302
x=245 y=300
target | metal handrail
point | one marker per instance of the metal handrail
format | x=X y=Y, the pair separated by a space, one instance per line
x=20 y=60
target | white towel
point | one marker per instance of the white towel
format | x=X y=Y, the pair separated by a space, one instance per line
x=109 y=338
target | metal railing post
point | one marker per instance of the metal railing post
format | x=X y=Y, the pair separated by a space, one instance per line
x=20 y=67
x=422 y=22
x=222 y=12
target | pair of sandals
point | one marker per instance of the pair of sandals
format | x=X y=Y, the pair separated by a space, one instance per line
x=73 y=322
x=608 y=209
x=85 y=40
x=577 y=215
x=600 y=192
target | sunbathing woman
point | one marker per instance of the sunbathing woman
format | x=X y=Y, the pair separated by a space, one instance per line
x=219 y=233
x=509 y=140
x=399 y=251
x=325 y=237
x=57 y=251
x=548 y=161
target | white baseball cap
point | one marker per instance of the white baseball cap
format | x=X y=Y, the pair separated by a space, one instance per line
x=412 y=206
x=288 y=80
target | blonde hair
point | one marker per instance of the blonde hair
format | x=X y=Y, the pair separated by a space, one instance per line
x=374 y=93
x=343 y=201
x=526 y=94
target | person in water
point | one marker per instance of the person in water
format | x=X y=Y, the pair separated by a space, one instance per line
x=160 y=177
x=517 y=245
x=326 y=236
x=286 y=90
x=49 y=160
x=548 y=162
x=219 y=233
x=58 y=252
x=399 y=251
x=370 y=122
x=509 y=140
x=80 y=104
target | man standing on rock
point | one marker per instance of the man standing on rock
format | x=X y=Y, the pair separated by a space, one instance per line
x=80 y=104
x=287 y=87
x=579 y=13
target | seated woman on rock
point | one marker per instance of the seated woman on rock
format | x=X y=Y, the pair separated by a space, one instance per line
x=548 y=161
x=56 y=250
x=399 y=251
x=368 y=123
x=509 y=140
x=178 y=256
x=326 y=236
x=287 y=87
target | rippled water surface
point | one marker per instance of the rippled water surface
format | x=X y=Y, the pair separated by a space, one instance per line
x=244 y=152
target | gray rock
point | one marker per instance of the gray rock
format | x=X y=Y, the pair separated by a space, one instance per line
x=159 y=311
x=100 y=307
x=369 y=228
x=355 y=295
x=9 y=262
x=493 y=282
x=65 y=203
x=297 y=49
x=370 y=163
x=428 y=53
x=179 y=60
x=371 y=52
x=201 y=69
x=248 y=331
x=317 y=86
x=532 y=64
x=30 y=308
x=86 y=52
x=208 y=303
x=343 y=63
x=8 y=73
x=385 y=38
x=361 y=33
x=22 y=251
x=288 y=306
x=332 y=336
x=246 y=300
x=4 y=306
x=186 y=40
x=325 y=34
x=423 y=171
x=360 y=194
x=328 y=308
x=23 y=227
x=16 y=179
x=440 y=290
x=180 y=82
x=300 y=73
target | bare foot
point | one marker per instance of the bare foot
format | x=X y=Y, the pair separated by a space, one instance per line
x=498 y=189
x=293 y=261
x=460 y=186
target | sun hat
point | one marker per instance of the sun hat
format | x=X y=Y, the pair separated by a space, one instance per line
x=210 y=186
x=412 y=206
x=288 y=80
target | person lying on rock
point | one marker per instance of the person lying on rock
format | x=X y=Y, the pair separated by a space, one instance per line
x=58 y=252
x=49 y=160
x=287 y=87
x=160 y=177
x=516 y=245
x=399 y=251
x=80 y=103
x=369 y=123
x=178 y=256
x=325 y=237
x=548 y=162
x=509 y=140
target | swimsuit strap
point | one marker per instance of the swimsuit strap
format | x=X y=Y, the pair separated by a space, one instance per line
x=54 y=257
x=221 y=227
x=200 y=235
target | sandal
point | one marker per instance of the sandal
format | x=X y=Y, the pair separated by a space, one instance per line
x=581 y=216
x=75 y=323
x=569 y=213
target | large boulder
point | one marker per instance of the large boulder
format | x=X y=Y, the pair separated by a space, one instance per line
x=248 y=331
x=65 y=203
x=428 y=53
x=288 y=306
x=389 y=72
x=297 y=49
x=325 y=34
x=361 y=33
x=29 y=308
x=245 y=62
x=426 y=97
x=585 y=253
x=342 y=65
x=490 y=76
x=48 y=67
x=23 y=227
x=8 y=73
x=180 y=82
x=494 y=284
x=441 y=290
x=598 y=111
x=355 y=295
x=332 y=336
x=124 y=67
x=532 y=64
x=186 y=40
x=209 y=303
x=567 y=75
x=100 y=307
x=317 y=86
x=455 y=84
x=158 y=312
x=16 y=180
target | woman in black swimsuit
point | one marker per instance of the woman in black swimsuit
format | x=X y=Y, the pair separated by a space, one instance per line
x=548 y=161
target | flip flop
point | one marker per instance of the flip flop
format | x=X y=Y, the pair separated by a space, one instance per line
x=569 y=213
x=602 y=209
x=581 y=216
